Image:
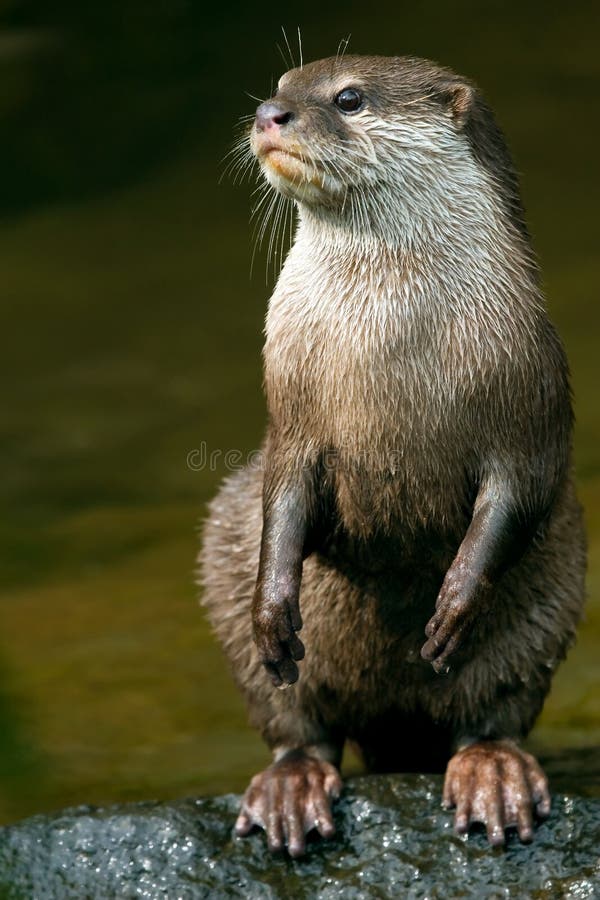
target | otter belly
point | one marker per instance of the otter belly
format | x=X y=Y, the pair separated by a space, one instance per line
x=416 y=504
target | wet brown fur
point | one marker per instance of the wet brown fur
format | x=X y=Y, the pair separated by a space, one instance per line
x=398 y=427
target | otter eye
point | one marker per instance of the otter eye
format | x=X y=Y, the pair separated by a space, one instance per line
x=348 y=100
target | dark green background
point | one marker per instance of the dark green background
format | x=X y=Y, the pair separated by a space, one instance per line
x=132 y=332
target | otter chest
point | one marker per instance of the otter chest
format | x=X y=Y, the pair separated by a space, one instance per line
x=377 y=388
x=364 y=369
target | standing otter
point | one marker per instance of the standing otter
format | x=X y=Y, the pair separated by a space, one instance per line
x=415 y=517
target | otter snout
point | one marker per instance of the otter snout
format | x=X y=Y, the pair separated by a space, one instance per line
x=271 y=114
x=277 y=142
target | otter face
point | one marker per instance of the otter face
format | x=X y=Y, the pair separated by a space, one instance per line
x=339 y=129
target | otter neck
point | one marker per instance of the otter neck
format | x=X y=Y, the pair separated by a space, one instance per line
x=373 y=227
x=426 y=200
x=455 y=249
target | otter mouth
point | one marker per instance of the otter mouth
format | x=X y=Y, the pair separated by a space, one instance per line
x=282 y=158
x=263 y=145
x=285 y=161
x=268 y=149
x=289 y=170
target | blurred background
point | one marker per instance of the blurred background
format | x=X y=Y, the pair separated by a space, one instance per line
x=132 y=335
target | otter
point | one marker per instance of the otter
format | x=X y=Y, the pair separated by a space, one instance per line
x=415 y=517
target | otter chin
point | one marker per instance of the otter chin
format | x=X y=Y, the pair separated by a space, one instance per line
x=409 y=560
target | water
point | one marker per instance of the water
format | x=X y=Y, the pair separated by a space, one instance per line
x=132 y=339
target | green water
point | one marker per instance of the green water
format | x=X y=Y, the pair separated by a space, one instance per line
x=132 y=336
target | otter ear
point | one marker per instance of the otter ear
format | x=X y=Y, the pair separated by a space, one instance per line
x=458 y=97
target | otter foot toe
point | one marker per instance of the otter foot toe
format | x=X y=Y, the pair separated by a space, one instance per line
x=289 y=799
x=498 y=785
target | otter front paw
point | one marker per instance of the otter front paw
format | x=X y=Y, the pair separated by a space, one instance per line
x=458 y=604
x=498 y=785
x=279 y=647
x=289 y=799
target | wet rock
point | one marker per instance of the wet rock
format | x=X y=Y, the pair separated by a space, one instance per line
x=393 y=840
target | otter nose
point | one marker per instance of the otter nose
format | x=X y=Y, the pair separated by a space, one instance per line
x=269 y=114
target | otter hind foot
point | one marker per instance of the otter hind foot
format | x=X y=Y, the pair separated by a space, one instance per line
x=496 y=784
x=289 y=799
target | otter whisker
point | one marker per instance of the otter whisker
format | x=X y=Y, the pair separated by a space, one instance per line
x=238 y=168
x=274 y=218
x=232 y=170
x=241 y=143
x=276 y=236
x=351 y=159
x=273 y=233
x=300 y=48
x=286 y=62
x=260 y=204
x=239 y=157
x=418 y=99
x=289 y=48
x=340 y=53
x=264 y=215
x=315 y=159
x=261 y=187
x=323 y=168
x=346 y=189
x=261 y=225
x=244 y=171
x=240 y=165
x=292 y=209
x=334 y=169
x=241 y=150
x=285 y=221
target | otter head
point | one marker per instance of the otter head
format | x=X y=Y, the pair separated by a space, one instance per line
x=377 y=136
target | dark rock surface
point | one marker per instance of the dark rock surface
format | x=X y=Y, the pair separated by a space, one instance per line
x=393 y=841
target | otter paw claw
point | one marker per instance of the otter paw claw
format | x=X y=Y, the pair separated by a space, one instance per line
x=288 y=800
x=445 y=631
x=458 y=605
x=498 y=785
x=279 y=647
